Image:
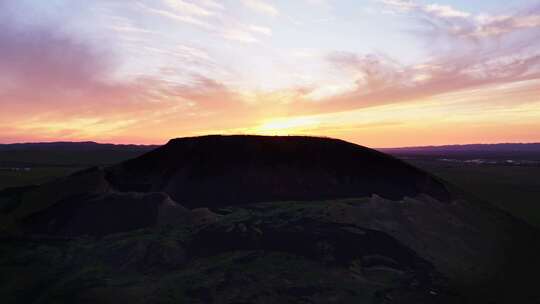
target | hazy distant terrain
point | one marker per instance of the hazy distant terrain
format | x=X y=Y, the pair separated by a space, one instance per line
x=507 y=154
x=67 y=154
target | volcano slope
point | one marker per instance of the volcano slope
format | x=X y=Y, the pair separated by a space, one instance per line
x=253 y=219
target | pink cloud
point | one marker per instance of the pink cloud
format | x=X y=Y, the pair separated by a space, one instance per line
x=473 y=61
x=50 y=80
x=447 y=20
x=382 y=81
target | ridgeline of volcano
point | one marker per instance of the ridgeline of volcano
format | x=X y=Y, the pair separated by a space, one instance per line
x=215 y=170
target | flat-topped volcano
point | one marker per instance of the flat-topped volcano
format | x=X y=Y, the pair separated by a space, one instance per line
x=258 y=219
x=232 y=170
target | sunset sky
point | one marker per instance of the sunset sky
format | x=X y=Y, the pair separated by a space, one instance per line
x=381 y=73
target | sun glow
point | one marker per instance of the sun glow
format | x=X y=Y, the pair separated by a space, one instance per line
x=285 y=126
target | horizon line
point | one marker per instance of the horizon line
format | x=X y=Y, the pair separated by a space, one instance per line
x=376 y=148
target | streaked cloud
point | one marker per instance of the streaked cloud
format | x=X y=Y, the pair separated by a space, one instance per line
x=188 y=8
x=261 y=29
x=212 y=4
x=239 y=35
x=179 y=17
x=380 y=80
x=402 y=5
x=261 y=6
x=464 y=24
x=445 y=11
x=499 y=25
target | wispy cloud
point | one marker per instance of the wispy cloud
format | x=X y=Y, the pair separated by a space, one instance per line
x=322 y=3
x=188 y=8
x=463 y=24
x=261 y=29
x=261 y=6
x=380 y=80
x=198 y=13
x=485 y=51
x=445 y=11
x=212 y=4
x=210 y=16
x=434 y=9
x=178 y=17
x=487 y=25
x=53 y=85
x=239 y=35
x=401 y=5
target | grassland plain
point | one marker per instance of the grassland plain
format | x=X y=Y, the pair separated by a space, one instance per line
x=12 y=178
x=515 y=189
x=33 y=166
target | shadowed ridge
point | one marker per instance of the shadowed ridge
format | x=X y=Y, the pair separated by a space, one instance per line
x=220 y=170
x=103 y=214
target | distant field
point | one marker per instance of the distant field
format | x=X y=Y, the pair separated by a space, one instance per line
x=34 y=176
x=37 y=163
x=65 y=158
x=512 y=188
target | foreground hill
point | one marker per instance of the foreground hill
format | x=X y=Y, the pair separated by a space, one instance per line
x=253 y=219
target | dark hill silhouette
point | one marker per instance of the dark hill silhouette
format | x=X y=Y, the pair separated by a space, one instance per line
x=218 y=170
